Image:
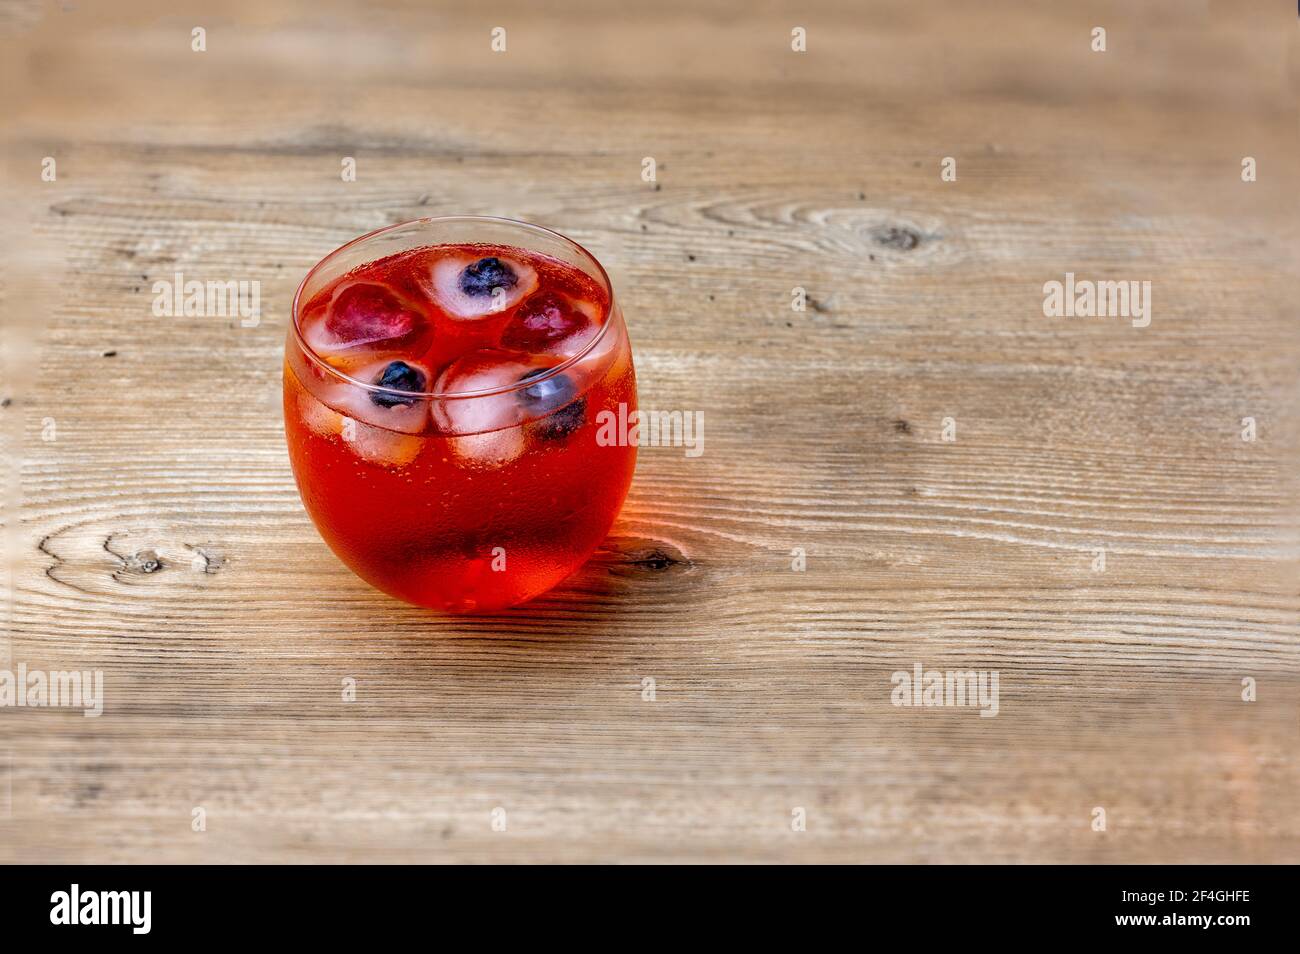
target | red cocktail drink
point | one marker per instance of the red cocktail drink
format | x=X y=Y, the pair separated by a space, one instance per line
x=448 y=391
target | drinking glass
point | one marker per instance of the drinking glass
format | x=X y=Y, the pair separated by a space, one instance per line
x=486 y=485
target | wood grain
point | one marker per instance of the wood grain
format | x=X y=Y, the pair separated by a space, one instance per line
x=159 y=537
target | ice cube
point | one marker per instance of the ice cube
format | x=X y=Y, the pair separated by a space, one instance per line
x=469 y=286
x=380 y=446
x=363 y=318
x=484 y=428
x=490 y=450
x=371 y=443
x=318 y=417
x=551 y=323
x=401 y=406
x=481 y=371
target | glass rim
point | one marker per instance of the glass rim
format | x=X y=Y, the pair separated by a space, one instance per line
x=310 y=354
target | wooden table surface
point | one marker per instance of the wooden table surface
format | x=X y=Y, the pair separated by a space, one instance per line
x=154 y=532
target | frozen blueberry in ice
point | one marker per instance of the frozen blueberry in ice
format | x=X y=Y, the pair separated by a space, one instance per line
x=563 y=422
x=404 y=413
x=468 y=287
x=479 y=279
x=399 y=376
x=546 y=394
x=554 y=398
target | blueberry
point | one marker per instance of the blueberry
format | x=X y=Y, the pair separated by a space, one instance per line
x=478 y=280
x=553 y=399
x=560 y=424
x=548 y=394
x=399 y=376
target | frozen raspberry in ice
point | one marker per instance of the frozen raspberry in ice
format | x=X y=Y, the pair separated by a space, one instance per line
x=549 y=322
x=473 y=286
x=364 y=313
x=364 y=317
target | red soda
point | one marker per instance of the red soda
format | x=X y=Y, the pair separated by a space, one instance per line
x=448 y=408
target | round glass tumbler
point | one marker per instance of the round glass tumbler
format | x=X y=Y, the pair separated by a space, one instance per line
x=457 y=398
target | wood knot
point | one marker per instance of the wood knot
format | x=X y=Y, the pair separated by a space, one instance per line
x=138 y=557
x=205 y=560
x=650 y=556
x=655 y=559
x=902 y=426
x=144 y=561
x=897 y=237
